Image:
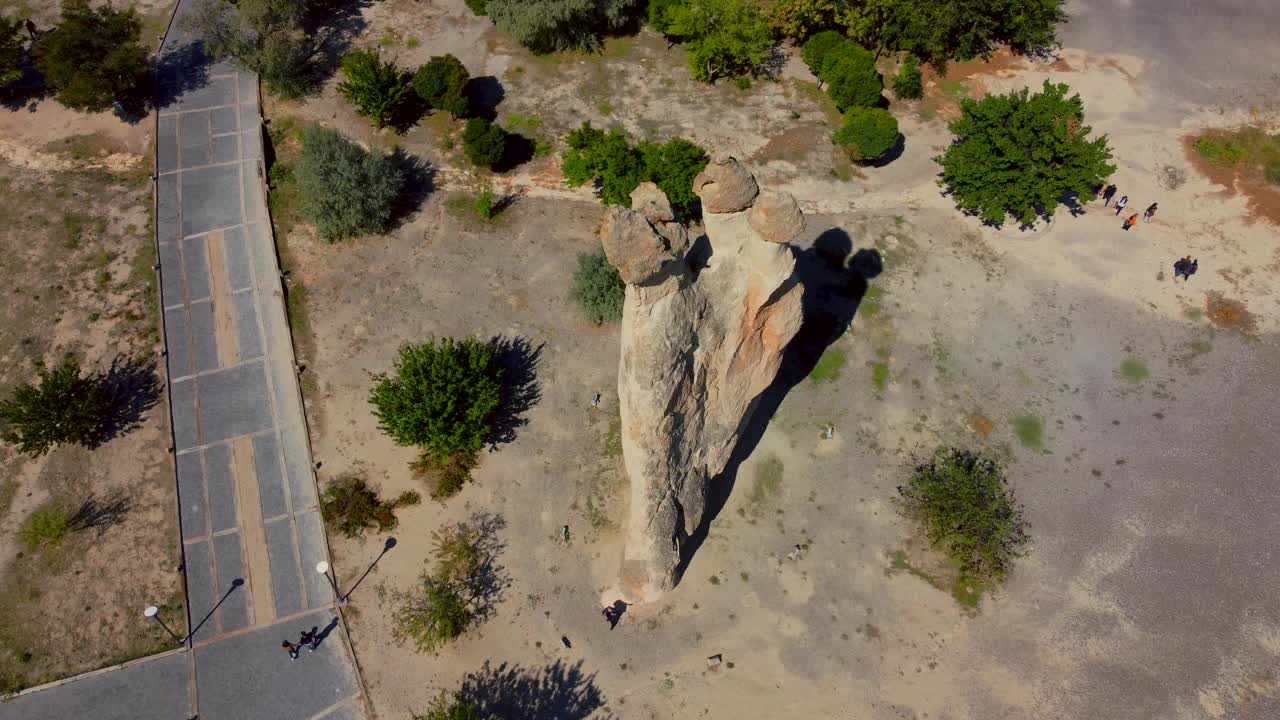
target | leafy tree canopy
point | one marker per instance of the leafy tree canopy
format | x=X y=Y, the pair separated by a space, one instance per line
x=868 y=133
x=723 y=37
x=798 y=19
x=849 y=70
x=11 y=47
x=546 y=26
x=815 y=49
x=346 y=190
x=442 y=83
x=260 y=36
x=66 y=407
x=963 y=502
x=598 y=288
x=484 y=142
x=377 y=89
x=909 y=82
x=93 y=59
x=594 y=153
x=441 y=396
x=1020 y=154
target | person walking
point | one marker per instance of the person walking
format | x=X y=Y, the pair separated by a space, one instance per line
x=1180 y=267
x=1150 y=213
x=1124 y=200
x=31 y=28
x=1130 y=221
x=1108 y=193
x=293 y=649
x=309 y=639
x=1191 y=270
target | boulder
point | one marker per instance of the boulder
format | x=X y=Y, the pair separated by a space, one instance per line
x=702 y=338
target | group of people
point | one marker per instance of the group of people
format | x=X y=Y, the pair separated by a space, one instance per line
x=310 y=638
x=1185 y=267
x=1109 y=192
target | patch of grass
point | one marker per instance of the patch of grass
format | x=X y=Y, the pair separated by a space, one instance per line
x=618 y=47
x=880 y=375
x=1200 y=347
x=295 y=305
x=72 y=230
x=411 y=43
x=284 y=200
x=869 y=306
x=1248 y=148
x=955 y=90
x=46 y=527
x=967 y=591
x=613 y=440
x=714 y=579
x=8 y=491
x=1220 y=150
x=1030 y=431
x=768 y=481
x=522 y=124
x=605 y=108
x=1134 y=370
x=828 y=366
x=102 y=259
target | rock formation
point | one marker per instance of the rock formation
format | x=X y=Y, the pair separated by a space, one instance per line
x=703 y=330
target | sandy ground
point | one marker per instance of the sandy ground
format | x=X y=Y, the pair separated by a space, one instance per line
x=1147 y=589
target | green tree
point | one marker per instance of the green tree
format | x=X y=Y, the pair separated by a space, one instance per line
x=849 y=70
x=260 y=36
x=908 y=84
x=346 y=191
x=868 y=133
x=479 y=7
x=798 y=19
x=620 y=167
x=377 y=89
x=441 y=396
x=658 y=14
x=447 y=707
x=962 y=501
x=484 y=142
x=442 y=83
x=672 y=166
x=66 y=407
x=597 y=288
x=723 y=37
x=433 y=614
x=546 y=26
x=815 y=49
x=942 y=30
x=1019 y=154
x=11 y=49
x=92 y=59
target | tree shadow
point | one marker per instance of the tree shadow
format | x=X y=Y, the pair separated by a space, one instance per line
x=894 y=153
x=101 y=514
x=332 y=26
x=517 y=151
x=419 y=183
x=834 y=282
x=519 y=360
x=410 y=111
x=131 y=387
x=774 y=63
x=558 y=691
x=26 y=92
x=487 y=585
x=179 y=70
x=484 y=94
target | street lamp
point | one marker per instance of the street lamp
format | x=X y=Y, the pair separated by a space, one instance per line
x=322 y=567
x=153 y=612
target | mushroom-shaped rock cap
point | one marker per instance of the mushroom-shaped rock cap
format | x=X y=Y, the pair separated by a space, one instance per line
x=725 y=186
x=776 y=216
x=648 y=200
x=633 y=246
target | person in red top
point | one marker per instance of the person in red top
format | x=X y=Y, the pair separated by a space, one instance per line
x=1131 y=221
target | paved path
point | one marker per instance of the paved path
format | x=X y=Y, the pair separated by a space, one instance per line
x=251 y=530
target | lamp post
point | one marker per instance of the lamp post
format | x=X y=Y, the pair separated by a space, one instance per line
x=322 y=567
x=153 y=612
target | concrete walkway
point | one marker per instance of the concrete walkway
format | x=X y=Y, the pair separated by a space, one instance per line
x=251 y=530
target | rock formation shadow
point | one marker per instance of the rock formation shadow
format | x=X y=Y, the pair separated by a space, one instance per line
x=834 y=283
x=519 y=360
x=557 y=691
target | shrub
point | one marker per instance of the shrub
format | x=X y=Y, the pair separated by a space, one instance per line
x=446 y=707
x=442 y=82
x=456 y=549
x=743 y=83
x=350 y=506
x=546 y=26
x=345 y=190
x=1272 y=172
x=815 y=49
x=261 y=36
x=598 y=289
x=46 y=526
x=962 y=501
x=441 y=396
x=433 y=614
x=479 y=7
x=620 y=167
x=1020 y=154
x=672 y=166
x=849 y=70
x=444 y=476
x=377 y=89
x=868 y=133
x=66 y=407
x=483 y=142
x=484 y=203
x=939 y=30
x=909 y=82
x=92 y=59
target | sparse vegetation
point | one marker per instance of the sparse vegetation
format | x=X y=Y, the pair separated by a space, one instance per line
x=11 y=49
x=345 y=190
x=1030 y=431
x=376 y=88
x=1020 y=154
x=962 y=501
x=350 y=506
x=908 y=84
x=484 y=203
x=1134 y=370
x=546 y=26
x=598 y=289
x=446 y=707
x=768 y=481
x=880 y=375
x=828 y=366
x=1248 y=149
x=450 y=599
